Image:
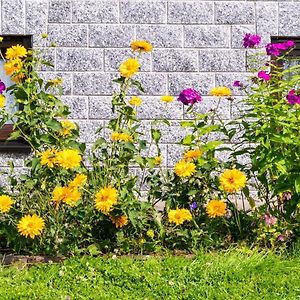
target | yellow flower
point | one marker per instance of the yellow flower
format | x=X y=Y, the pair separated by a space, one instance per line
x=167 y=98
x=192 y=154
x=121 y=137
x=67 y=127
x=220 y=91
x=68 y=158
x=68 y=195
x=2 y=101
x=141 y=46
x=105 y=199
x=179 y=216
x=129 y=67
x=216 y=208
x=120 y=221
x=5 y=203
x=14 y=52
x=17 y=78
x=135 y=101
x=232 y=180
x=185 y=169
x=150 y=233
x=1 y=39
x=44 y=35
x=13 y=66
x=56 y=81
x=78 y=181
x=48 y=158
x=31 y=226
x=157 y=160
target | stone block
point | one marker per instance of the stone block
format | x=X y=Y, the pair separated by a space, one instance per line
x=161 y=36
x=60 y=11
x=90 y=11
x=209 y=104
x=153 y=83
x=238 y=33
x=175 y=153
x=267 y=20
x=142 y=11
x=36 y=20
x=78 y=59
x=90 y=84
x=114 y=57
x=65 y=35
x=190 y=12
x=154 y=108
x=88 y=130
x=288 y=19
x=78 y=106
x=206 y=36
x=234 y=12
x=13 y=14
x=222 y=60
x=100 y=108
x=175 y=60
x=66 y=80
x=225 y=79
x=111 y=36
x=203 y=83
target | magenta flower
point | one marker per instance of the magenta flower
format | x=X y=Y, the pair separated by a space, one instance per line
x=2 y=87
x=292 y=97
x=189 y=97
x=251 y=40
x=264 y=75
x=275 y=49
x=237 y=84
x=270 y=220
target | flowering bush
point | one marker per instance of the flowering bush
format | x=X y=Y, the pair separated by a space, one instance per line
x=61 y=206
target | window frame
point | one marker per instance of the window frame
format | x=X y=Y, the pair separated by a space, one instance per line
x=18 y=145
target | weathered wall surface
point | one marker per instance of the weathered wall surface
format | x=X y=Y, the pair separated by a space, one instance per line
x=196 y=44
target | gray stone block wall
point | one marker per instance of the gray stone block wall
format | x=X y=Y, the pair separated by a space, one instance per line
x=196 y=44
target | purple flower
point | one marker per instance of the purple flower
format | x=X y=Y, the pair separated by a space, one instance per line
x=237 y=84
x=251 y=40
x=189 y=97
x=292 y=97
x=193 y=205
x=274 y=49
x=2 y=87
x=264 y=75
x=270 y=220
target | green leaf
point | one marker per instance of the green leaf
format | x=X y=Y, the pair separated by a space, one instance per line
x=138 y=85
x=187 y=124
x=187 y=140
x=54 y=125
x=156 y=135
x=297 y=185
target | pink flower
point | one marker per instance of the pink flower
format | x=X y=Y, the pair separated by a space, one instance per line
x=264 y=75
x=189 y=97
x=2 y=87
x=251 y=40
x=274 y=49
x=270 y=220
x=237 y=84
x=293 y=98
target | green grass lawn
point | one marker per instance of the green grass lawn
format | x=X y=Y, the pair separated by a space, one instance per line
x=235 y=274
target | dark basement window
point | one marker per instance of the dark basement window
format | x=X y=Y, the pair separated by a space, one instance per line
x=18 y=145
